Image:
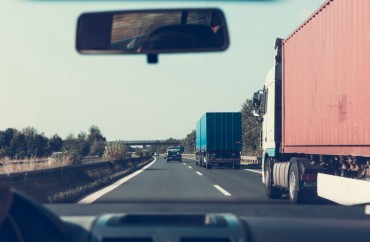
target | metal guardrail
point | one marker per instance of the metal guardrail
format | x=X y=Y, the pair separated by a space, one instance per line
x=249 y=160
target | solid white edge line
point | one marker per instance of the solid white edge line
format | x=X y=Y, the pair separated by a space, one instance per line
x=226 y=193
x=190 y=167
x=94 y=196
x=200 y=174
x=260 y=172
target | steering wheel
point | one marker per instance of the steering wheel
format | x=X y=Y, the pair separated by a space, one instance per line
x=24 y=220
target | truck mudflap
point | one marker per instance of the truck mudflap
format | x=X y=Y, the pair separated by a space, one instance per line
x=308 y=171
x=302 y=176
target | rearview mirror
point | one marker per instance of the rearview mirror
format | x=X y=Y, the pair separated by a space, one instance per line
x=256 y=100
x=152 y=32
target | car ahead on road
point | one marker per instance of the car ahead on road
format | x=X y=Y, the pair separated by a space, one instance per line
x=156 y=154
x=43 y=47
x=174 y=154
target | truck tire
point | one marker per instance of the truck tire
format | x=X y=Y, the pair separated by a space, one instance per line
x=208 y=166
x=236 y=166
x=295 y=195
x=271 y=192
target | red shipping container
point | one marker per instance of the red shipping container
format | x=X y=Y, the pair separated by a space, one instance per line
x=326 y=82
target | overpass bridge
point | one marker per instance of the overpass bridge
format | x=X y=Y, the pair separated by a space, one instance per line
x=151 y=142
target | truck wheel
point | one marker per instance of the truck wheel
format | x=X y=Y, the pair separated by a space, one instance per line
x=196 y=163
x=180 y=160
x=237 y=166
x=208 y=166
x=295 y=195
x=271 y=192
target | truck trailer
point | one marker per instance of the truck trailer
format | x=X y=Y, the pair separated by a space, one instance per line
x=316 y=112
x=218 y=140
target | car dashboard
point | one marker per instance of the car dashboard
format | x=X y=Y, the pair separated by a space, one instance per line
x=204 y=222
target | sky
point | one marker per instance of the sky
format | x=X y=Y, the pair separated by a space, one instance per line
x=46 y=84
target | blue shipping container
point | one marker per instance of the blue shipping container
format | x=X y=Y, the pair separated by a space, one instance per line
x=219 y=132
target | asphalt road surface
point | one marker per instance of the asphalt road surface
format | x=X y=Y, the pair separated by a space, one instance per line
x=184 y=181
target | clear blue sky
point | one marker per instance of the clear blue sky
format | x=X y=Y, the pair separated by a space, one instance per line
x=46 y=84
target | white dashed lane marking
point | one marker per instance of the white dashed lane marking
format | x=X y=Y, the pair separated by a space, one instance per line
x=256 y=171
x=226 y=193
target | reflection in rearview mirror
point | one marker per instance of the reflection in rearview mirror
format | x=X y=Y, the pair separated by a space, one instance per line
x=152 y=32
x=256 y=102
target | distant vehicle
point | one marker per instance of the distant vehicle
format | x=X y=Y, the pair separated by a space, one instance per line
x=326 y=137
x=156 y=154
x=218 y=140
x=174 y=154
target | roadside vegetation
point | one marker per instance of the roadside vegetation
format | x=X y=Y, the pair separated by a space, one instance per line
x=27 y=149
x=29 y=143
x=189 y=143
x=251 y=131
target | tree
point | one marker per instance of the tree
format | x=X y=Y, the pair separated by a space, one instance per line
x=75 y=147
x=95 y=134
x=96 y=141
x=115 y=150
x=83 y=144
x=97 y=148
x=18 y=146
x=251 y=131
x=55 y=143
x=5 y=142
x=37 y=144
x=189 y=142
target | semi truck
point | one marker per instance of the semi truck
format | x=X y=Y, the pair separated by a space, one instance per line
x=218 y=140
x=315 y=107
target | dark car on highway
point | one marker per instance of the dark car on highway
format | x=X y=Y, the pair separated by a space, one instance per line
x=174 y=154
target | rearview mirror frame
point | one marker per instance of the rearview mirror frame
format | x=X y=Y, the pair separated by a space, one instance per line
x=94 y=31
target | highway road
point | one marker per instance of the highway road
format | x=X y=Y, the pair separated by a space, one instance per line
x=184 y=181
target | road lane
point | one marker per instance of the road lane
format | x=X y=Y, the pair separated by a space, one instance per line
x=166 y=181
x=176 y=181
x=242 y=184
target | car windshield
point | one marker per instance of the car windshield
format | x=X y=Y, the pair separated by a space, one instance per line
x=73 y=124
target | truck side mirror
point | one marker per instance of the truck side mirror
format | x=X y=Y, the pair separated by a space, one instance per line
x=256 y=113
x=256 y=100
